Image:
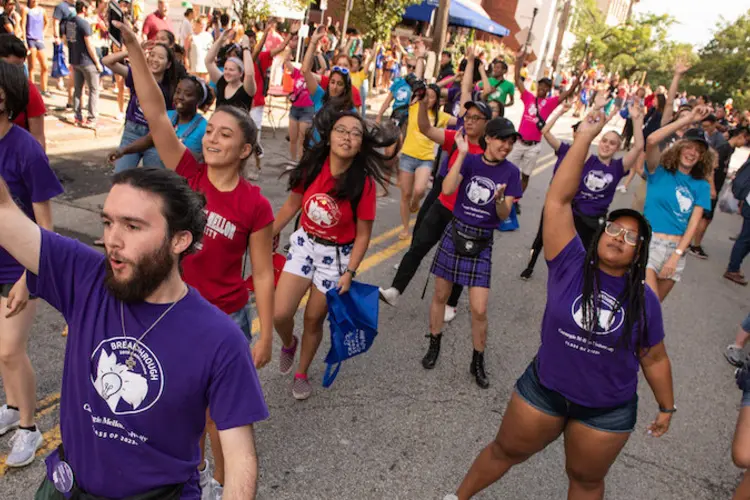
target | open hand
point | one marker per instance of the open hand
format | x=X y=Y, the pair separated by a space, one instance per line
x=461 y=144
x=681 y=66
x=601 y=99
x=295 y=26
x=636 y=111
x=129 y=37
x=592 y=124
x=700 y=113
x=471 y=52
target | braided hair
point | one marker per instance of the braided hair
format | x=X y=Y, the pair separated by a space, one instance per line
x=632 y=297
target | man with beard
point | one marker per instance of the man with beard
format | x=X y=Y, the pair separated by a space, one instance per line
x=146 y=355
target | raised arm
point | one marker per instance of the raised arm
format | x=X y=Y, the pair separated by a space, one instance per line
x=247 y=60
x=487 y=89
x=635 y=111
x=680 y=68
x=213 y=53
x=293 y=29
x=307 y=62
x=114 y=61
x=154 y=108
x=520 y=57
x=454 y=177
x=653 y=154
x=559 y=228
x=553 y=141
x=262 y=42
x=436 y=135
x=467 y=83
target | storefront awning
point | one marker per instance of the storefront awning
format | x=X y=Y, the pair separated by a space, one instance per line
x=462 y=13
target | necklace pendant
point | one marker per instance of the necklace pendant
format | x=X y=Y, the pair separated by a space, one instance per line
x=130 y=363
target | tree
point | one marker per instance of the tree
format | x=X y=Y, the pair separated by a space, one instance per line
x=249 y=11
x=724 y=67
x=376 y=18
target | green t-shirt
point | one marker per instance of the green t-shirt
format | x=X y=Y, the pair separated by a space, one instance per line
x=502 y=90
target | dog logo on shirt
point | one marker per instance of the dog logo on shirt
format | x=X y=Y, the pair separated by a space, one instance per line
x=685 y=199
x=608 y=321
x=126 y=391
x=323 y=210
x=480 y=190
x=596 y=180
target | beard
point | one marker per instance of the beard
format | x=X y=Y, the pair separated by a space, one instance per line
x=149 y=271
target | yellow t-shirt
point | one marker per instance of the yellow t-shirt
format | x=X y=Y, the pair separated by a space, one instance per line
x=416 y=144
x=358 y=78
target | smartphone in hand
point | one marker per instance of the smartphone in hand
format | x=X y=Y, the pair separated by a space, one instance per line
x=115 y=14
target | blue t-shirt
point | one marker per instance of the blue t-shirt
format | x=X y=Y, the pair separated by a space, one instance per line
x=191 y=134
x=401 y=93
x=670 y=198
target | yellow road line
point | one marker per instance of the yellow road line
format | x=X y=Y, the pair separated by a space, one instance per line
x=52 y=437
x=539 y=170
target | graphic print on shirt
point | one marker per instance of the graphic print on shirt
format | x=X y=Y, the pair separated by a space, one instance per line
x=126 y=390
x=533 y=114
x=217 y=225
x=402 y=94
x=685 y=200
x=596 y=180
x=323 y=210
x=608 y=320
x=480 y=190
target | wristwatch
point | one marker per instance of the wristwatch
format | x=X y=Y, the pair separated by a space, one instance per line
x=352 y=272
x=679 y=252
x=668 y=410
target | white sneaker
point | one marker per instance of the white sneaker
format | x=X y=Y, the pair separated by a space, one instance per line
x=25 y=443
x=621 y=188
x=389 y=296
x=9 y=419
x=450 y=314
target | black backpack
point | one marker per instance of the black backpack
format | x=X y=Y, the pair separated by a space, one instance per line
x=741 y=182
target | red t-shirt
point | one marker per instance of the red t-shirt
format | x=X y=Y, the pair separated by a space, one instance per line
x=331 y=218
x=648 y=102
x=215 y=270
x=261 y=67
x=356 y=98
x=475 y=149
x=34 y=107
x=154 y=23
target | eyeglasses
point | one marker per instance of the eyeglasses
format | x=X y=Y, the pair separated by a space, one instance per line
x=411 y=66
x=354 y=133
x=340 y=69
x=614 y=230
x=474 y=118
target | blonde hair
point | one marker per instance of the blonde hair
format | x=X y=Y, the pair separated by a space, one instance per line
x=670 y=160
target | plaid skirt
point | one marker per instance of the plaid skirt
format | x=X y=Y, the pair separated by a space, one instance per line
x=466 y=271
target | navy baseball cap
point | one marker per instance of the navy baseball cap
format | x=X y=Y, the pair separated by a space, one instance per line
x=501 y=128
x=696 y=135
x=481 y=106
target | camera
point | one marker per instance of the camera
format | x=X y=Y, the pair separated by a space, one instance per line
x=418 y=87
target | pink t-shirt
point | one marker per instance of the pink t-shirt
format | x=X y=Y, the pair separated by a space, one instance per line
x=531 y=103
x=300 y=94
x=273 y=40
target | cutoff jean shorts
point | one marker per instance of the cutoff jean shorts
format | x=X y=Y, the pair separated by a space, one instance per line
x=659 y=252
x=409 y=164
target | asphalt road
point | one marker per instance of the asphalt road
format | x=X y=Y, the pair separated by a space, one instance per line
x=389 y=429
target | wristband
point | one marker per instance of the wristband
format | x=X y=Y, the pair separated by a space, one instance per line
x=679 y=252
x=668 y=410
x=352 y=272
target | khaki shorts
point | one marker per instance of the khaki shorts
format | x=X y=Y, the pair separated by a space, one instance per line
x=524 y=157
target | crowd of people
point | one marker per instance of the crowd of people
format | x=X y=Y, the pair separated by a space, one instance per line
x=180 y=230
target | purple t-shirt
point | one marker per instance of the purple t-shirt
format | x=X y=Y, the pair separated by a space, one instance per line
x=598 y=183
x=126 y=431
x=475 y=203
x=26 y=170
x=600 y=373
x=134 y=113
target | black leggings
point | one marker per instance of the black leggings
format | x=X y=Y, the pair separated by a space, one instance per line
x=585 y=232
x=432 y=219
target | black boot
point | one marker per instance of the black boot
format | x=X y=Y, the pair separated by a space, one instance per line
x=429 y=360
x=477 y=369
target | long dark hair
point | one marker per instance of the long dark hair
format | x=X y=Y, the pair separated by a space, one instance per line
x=436 y=108
x=342 y=102
x=632 y=297
x=370 y=162
x=170 y=78
x=16 y=86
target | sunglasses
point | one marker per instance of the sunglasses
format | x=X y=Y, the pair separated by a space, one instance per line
x=411 y=66
x=340 y=69
x=614 y=230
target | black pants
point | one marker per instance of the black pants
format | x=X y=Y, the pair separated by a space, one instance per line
x=627 y=133
x=432 y=219
x=584 y=230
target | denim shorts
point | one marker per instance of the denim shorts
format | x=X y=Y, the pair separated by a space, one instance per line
x=132 y=132
x=746 y=323
x=5 y=289
x=614 y=419
x=659 y=251
x=745 y=399
x=302 y=114
x=244 y=319
x=35 y=44
x=409 y=164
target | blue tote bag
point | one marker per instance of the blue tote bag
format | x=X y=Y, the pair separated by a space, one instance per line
x=353 y=318
x=511 y=223
x=59 y=68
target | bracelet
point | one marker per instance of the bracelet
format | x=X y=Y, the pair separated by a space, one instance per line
x=668 y=410
x=352 y=272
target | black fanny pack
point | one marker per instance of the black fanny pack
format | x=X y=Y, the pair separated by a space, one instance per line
x=593 y=222
x=60 y=474
x=468 y=245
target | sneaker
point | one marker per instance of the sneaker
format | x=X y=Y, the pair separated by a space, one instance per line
x=25 y=443
x=253 y=174
x=389 y=296
x=120 y=117
x=526 y=274
x=301 y=388
x=259 y=152
x=697 y=251
x=47 y=94
x=90 y=123
x=622 y=189
x=736 y=277
x=735 y=355
x=286 y=357
x=9 y=419
x=450 y=314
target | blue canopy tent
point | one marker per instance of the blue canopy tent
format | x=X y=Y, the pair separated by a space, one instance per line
x=460 y=14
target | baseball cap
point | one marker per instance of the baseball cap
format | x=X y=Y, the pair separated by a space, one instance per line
x=501 y=128
x=695 y=135
x=710 y=118
x=644 y=228
x=481 y=106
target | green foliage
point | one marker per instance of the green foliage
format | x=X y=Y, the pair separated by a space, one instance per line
x=376 y=18
x=724 y=67
x=249 y=11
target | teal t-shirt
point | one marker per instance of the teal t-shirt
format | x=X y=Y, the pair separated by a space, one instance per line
x=191 y=134
x=670 y=198
x=401 y=93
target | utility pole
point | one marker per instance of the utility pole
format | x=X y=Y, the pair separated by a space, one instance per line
x=441 y=29
x=349 y=6
x=562 y=27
